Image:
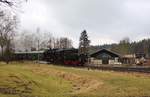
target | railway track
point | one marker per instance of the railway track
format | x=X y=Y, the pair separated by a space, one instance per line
x=115 y=68
x=122 y=69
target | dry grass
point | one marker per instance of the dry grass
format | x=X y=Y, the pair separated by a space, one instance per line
x=80 y=84
x=39 y=80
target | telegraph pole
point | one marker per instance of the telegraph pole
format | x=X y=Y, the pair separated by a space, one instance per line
x=38 y=40
x=38 y=51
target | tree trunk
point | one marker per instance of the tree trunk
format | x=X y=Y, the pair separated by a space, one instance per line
x=2 y=56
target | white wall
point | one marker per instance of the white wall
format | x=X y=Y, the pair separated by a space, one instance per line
x=96 y=61
x=99 y=62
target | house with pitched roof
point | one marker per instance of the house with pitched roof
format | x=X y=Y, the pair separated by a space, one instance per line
x=105 y=56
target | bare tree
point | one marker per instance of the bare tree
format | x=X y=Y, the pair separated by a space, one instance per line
x=61 y=43
x=65 y=43
x=46 y=40
x=50 y=41
x=8 y=26
x=27 y=41
x=42 y=41
x=11 y=2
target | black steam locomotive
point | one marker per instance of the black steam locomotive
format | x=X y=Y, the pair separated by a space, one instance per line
x=62 y=56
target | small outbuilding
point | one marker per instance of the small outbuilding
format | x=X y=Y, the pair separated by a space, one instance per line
x=105 y=56
x=129 y=59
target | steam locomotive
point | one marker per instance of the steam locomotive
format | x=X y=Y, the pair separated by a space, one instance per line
x=62 y=56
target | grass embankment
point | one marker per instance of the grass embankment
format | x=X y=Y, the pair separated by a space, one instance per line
x=34 y=80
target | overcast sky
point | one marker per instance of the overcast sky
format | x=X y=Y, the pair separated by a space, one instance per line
x=106 y=21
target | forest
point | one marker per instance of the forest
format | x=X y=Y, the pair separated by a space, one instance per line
x=126 y=47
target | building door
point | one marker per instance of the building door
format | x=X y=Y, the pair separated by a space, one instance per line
x=105 y=61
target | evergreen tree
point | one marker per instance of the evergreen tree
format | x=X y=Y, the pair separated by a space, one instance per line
x=84 y=47
x=124 y=47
